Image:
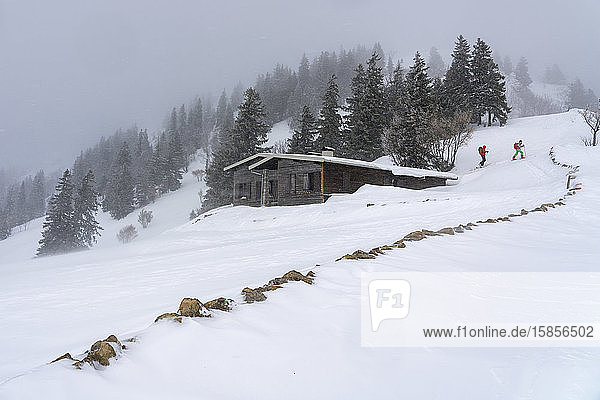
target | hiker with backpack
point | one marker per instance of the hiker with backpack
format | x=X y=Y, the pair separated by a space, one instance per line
x=482 y=152
x=518 y=149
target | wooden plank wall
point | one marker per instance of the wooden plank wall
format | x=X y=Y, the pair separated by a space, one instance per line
x=289 y=197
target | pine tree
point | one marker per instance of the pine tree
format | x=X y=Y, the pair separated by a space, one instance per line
x=579 y=97
x=406 y=139
x=250 y=129
x=5 y=230
x=554 y=75
x=303 y=139
x=367 y=114
x=375 y=115
x=394 y=92
x=330 y=121
x=489 y=95
x=303 y=92
x=221 y=112
x=22 y=214
x=458 y=79
x=507 y=66
x=176 y=162
x=38 y=195
x=437 y=67
x=160 y=165
x=247 y=137
x=356 y=129
x=145 y=189
x=119 y=200
x=195 y=125
x=85 y=210
x=522 y=74
x=59 y=233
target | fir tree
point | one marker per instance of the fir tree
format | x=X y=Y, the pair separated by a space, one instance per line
x=119 y=200
x=85 y=210
x=195 y=125
x=250 y=129
x=406 y=139
x=355 y=122
x=160 y=165
x=436 y=64
x=247 y=137
x=145 y=190
x=522 y=74
x=330 y=121
x=221 y=112
x=22 y=214
x=488 y=86
x=37 y=197
x=5 y=230
x=303 y=139
x=367 y=116
x=394 y=92
x=176 y=162
x=554 y=75
x=458 y=79
x=579 y=97
x=59 y=233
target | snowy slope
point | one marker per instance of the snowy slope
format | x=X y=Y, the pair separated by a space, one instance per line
x=304 y=342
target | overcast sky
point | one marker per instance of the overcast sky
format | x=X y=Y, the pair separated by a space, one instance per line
x=72 y=71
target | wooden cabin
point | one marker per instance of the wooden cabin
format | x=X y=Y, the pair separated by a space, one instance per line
x=294 y=179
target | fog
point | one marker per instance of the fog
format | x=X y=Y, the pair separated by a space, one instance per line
x=72 y=71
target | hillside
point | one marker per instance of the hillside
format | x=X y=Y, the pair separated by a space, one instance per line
x=304 y=341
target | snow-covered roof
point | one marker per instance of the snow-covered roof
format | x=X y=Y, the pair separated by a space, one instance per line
x=396 y=170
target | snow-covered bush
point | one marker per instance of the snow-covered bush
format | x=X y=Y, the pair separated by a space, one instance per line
x=127 y=234
x=144 y=218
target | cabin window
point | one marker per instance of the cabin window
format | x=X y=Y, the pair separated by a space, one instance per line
x=243 y=191
x=312 y=178
x=293 y=183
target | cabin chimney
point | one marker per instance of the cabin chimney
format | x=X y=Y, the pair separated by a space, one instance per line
x=327 y=151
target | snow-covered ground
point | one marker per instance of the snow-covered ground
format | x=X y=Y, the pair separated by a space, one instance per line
x=304 y=341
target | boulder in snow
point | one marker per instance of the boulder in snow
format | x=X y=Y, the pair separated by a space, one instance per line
x=446 y=231
x=221 y=303
x=170 y=315
x=252 y=295
x=191 y=307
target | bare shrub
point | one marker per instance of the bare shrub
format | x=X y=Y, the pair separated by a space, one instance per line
x=127 y=234
x=198 y=173
x=144 y=218
x=448 y=134
x=592 y=119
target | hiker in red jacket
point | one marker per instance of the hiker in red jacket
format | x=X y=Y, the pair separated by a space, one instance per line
x=482 y=152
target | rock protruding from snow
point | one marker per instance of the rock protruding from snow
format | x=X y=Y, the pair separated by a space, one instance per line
x=221 y=304
x=100 y=353
x=257 y=294
x=192 y=307
x=253 y=295
x=170 y=315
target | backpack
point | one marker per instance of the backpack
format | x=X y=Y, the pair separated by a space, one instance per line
x=481 y=151
x=516 y=145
